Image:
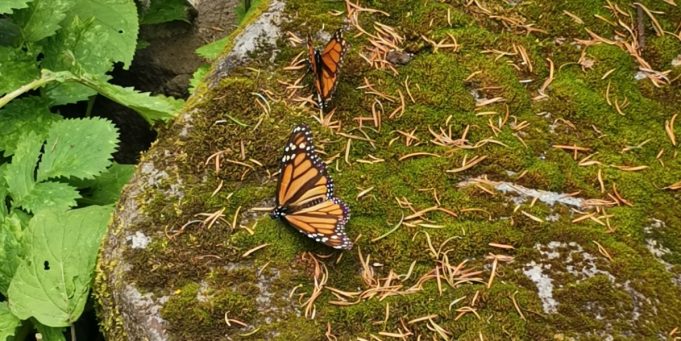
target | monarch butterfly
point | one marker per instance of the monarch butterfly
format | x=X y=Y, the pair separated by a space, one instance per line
x=304 y=194
x=325 y=65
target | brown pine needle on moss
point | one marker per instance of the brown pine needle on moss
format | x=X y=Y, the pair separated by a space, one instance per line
x=321 y=276
x=603 y=251
x=398 y=335
x=494 y=272
x=364 y=192
x=619 y=198
x=501 y=246
x=675 y=186
x=517 y=306
x=523 y=54
x=347 y=151
x=535 y=218
x=423 y=318
x=574 y=148
x=229 y=321
x=329 y=335
x=411 y=155
x=390 y=231
x=217 y=189
x=211 y=218
x=488 y=101
x=468 y=165
x=629 y=168
x=574 y=17
x=251 y=251
x=669 y=128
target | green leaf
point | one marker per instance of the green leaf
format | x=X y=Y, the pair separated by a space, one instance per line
x=79 y=148
x=117 y=21
x=161 y=11
x=50 y=333
x=19 y=173
x=8 y=322
x=106 y=188
x=10 y=32
x=42 y=17
x=198 y=77
x=213 y=50
x=16 y=68
x=6 y=6
x=21 y=116
x=152 y=108
x=53 y=281
x=10 y=250
x=78 y=47
x=49 y=194
x=4 y=191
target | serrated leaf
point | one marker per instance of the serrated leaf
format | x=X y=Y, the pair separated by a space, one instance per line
x=213 y=50
x=80 y=148
x=10 y=250
x=152 y=108
x=198 y=77
x=114 y=19
x=19 y=173
x=8 y=322
x=50 y=333
x=21 y=116
x=53 y=281
x=6 y=6
x=49 y=194
x=161 y=11
x=78 y=47
x=106 y=188
x=16 y=68
x=42 y=17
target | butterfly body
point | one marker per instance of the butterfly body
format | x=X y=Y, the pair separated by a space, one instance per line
x=305 y=193
x=325 y=66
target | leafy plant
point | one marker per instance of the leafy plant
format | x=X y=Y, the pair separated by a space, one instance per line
x=58 y=183
x=48 y=244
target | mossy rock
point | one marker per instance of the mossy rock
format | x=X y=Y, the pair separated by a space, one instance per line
x=193 y=255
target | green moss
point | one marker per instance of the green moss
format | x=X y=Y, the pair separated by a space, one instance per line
x=444 y=87
x=660 y=51
x=204 y=313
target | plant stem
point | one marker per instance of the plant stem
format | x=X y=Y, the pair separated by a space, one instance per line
x=90 y=105
x=25 y=88
x=73 y=332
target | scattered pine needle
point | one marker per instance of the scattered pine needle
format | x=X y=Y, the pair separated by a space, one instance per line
x=675 y=186
x=669 y=128
x=404 y=157
x=501 y=246
x=389 y=232
x=251 y=251
x=603 y=251
x=517 y=307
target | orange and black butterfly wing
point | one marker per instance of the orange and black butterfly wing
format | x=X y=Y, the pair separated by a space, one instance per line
x=305 y=193
x=324 y=222
x=325 y=66
x=303 y=179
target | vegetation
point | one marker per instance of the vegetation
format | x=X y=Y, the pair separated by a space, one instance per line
x=58 y=183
